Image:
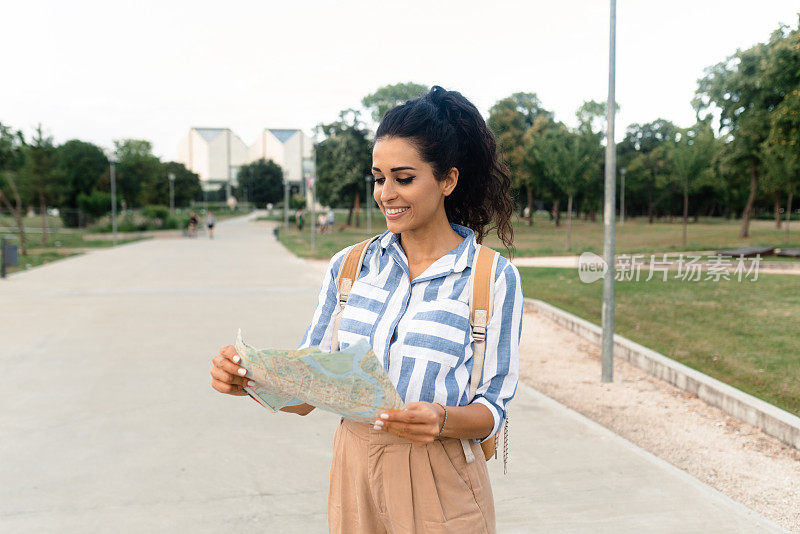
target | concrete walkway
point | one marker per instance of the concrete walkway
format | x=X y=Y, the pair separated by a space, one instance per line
x=109 y=424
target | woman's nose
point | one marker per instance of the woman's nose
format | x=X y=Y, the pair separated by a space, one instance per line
x=387 y=191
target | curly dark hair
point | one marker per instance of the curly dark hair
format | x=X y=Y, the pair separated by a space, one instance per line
x=449 y=131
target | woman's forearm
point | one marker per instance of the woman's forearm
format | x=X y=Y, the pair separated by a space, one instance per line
x=473 y=421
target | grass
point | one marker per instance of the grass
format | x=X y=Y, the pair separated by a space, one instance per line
x=545 y=239
x=60 y=242
x=742 y=333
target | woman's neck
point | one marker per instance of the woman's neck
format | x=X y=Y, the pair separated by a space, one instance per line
x=431 y=242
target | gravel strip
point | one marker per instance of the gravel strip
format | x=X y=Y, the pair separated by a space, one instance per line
x=737 y=459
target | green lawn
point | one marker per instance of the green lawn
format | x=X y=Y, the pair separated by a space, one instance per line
x=544 y=238
x=60 y=243
x=746 y=334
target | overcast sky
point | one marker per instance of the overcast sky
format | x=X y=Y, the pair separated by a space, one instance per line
x=104 y=70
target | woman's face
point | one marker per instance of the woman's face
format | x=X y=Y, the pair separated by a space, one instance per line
x=406 y=190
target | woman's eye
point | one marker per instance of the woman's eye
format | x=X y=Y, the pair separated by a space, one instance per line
x=379 y=180
x=404 y=180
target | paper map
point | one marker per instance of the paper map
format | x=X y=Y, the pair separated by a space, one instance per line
x=351 y=382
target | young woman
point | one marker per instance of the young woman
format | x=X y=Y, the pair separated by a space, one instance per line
x=441 y=186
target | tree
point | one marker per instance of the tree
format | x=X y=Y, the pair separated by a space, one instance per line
x=263 y=180
x=512 y=120
x=691 y=153
x=643 y=153
x=186 y=187
x=344 y=159
x=136 y=166
x=80 y=166
x=12 y=158
x=40 y=172
x=568 y=157
x=745 y=89
x=592 y=118
x=389 y=96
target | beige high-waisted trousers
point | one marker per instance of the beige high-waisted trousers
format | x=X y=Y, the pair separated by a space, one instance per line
x=381 y=483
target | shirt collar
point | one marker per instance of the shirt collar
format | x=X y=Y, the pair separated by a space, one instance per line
x=456 y=260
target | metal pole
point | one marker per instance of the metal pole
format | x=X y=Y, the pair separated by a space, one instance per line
x=313 y=221
x=369 y=206
x=3 y=259
x=171 y=177
x=114 y=202
x=607 y=356
x=286 y=204
x=622 y=198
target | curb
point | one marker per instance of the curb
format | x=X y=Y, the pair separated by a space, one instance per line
x=771 y=419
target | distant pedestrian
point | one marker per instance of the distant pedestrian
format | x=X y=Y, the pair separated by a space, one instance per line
x=210 y=222
x=331 y=219
x=193 y=224
x=322 y=222
x=299 y=217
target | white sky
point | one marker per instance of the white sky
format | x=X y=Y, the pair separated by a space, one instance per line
x=104 y=70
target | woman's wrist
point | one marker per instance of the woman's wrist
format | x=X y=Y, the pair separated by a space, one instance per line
x=442 y=417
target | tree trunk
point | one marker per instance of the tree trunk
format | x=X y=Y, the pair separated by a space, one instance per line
x=357 y=207
x=593 y=215
x=16 y=210
x=650 y=202
x=750 y=200
x=569 y=222
x=777 y=209
x=685 y=208
x=788 y=214
x=43 y=207
x=529 y=222
x=556 y=212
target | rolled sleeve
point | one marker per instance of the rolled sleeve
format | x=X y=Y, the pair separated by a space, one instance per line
x=501 y=358
x=320 y=331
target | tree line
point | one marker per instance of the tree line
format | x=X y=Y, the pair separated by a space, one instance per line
x=739 y=158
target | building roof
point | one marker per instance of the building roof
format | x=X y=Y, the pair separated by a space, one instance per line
x=283 y=135
x=209 y=134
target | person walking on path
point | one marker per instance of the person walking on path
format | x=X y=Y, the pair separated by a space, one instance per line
x=193 y=220
x=211 y=220
x=441 y=186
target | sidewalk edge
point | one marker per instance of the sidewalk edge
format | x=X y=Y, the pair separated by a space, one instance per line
x=759 y=518
x=769 y=418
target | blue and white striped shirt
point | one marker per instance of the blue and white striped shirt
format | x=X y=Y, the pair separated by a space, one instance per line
x=419 y=328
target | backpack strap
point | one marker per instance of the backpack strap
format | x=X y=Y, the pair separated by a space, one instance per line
x=348 y=274
x=481 y=298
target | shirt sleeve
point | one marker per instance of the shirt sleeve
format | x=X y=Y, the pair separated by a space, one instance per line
x=320 y=330
x=501 y=359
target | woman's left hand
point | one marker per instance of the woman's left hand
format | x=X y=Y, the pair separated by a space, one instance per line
x=419 y=422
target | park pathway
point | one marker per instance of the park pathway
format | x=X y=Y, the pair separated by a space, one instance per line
x=109 y=423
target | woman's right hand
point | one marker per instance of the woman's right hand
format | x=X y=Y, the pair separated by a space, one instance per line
x=226 y=375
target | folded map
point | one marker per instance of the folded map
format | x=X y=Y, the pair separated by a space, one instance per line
x=351 y=382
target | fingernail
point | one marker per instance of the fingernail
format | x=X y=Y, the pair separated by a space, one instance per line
x=236 y=359
x=379 y=423
x=242 y=371
x=376 y=427
x=384 y=416
x=250 y=383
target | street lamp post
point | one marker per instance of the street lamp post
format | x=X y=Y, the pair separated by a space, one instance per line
x=113 y=199
x=607 y=310
x=171 y=177
x=368 y=179
x=622 y=198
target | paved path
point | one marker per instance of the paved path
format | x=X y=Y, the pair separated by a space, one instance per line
x=109 y=424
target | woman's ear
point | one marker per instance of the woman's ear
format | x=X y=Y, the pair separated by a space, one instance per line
x=450 y=181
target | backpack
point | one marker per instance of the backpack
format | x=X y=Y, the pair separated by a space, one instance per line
x=481 y=298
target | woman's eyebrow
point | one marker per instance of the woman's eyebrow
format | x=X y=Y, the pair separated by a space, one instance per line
x=395 y=169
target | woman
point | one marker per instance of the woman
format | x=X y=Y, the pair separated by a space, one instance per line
x=441 y=186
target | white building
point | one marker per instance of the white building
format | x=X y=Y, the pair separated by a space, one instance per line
x=216 y=154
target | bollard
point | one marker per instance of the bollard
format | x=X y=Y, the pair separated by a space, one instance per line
x=10 y=256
